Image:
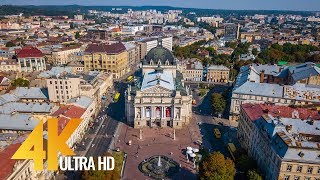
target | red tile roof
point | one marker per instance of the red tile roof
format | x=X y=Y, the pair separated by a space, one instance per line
x=106 y=48
x=255 y=111
x=29 y=51
x=70 y=111
x=6 y=163
x=62 y=122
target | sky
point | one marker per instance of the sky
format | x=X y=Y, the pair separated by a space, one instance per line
x=311 y=5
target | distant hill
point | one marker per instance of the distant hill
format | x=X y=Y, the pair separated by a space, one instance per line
x=74 y=9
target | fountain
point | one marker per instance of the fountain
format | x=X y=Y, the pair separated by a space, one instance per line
x=159 y=167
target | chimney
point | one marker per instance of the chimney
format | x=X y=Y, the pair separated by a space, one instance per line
x=262 y=76
x=289 y=128
x=280 y=69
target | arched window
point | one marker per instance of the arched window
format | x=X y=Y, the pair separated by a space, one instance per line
x=148 y=112
x=168 y=112
x=151 y=62
x=158 y=112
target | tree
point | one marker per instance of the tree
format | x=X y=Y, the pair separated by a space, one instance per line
x=254 y=175
x=255 y=51
x=19 y=82
x=10 y=44
x=245 y=163
x=95 y=174
x=217 y=167
x=218 y=103
x=77 y=35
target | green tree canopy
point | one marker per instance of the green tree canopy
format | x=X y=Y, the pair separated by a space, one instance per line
x=10 y=44
x=254 y=175
x=77 y=35
x=19 y=82
x=217 y=167
x=218 y=103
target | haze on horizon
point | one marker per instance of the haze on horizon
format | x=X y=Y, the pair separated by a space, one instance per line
x=306 y=5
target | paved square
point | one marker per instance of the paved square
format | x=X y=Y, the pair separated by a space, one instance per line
x=157 y=141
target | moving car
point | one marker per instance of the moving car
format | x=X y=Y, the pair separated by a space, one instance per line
x=217 y=133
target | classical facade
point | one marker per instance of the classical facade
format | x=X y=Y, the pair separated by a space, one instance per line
x=31 y=59
x=158 y=97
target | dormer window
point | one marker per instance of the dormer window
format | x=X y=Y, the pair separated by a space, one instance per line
x=167 y=62
x=151 y=62
x=159 y=62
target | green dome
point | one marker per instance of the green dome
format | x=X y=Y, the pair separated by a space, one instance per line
x=161 y=54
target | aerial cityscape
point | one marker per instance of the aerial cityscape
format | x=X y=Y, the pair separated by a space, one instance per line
x=169 y=91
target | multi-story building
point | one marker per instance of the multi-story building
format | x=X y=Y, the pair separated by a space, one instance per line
x=283 y=140
x=9 y=65
x=133 y=57
x=64 y=55
x=111 y=58
x=159 y=97
x=146 y=45
x=31 y=59
x=66 y=86
x=193 y=71
x=275 y=84
x=218 y=73
x=231 y=31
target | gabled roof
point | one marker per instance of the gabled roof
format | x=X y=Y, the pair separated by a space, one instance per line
x=6 y=163
x=29 y=51
x=152 y=79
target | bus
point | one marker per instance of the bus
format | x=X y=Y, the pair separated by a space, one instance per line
x=116 y=97
x=232 y=149
x=130 y=78
x=217 y=133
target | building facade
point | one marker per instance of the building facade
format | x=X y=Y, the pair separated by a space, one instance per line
x=158 y=98
x=31 y=59
x=218 y=73
x=110 y=58
x=284 y=141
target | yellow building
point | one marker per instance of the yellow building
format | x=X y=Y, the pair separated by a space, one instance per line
x=111 y=58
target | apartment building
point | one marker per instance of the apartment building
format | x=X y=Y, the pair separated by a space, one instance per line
x=9 y=65
x=145 y=45
x=193 y=71
x=111 y=58
x=66 y=86
x=218 y=73
x=283 y=140
x=64 y=55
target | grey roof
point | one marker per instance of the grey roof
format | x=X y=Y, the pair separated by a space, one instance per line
x=21 y=107
x=82 y=101
x=152 y=79
x=19 y=122
x=8 y=98
x=267 y=68
x=55 y=71
x=284 y=142
x=218 y=67
x=303 y=71
x=30 y=93
x=261 y=89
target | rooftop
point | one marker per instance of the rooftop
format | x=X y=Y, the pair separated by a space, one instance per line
x=29 y=51
x=30 y=93
x=70 y=111
x=115 y=48
x=18 y=122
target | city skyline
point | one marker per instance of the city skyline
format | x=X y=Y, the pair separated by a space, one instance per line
x=296 y=5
